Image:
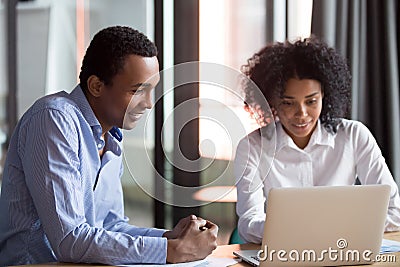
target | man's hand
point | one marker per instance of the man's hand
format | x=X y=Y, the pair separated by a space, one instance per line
x=193 y=238
x=179 y=227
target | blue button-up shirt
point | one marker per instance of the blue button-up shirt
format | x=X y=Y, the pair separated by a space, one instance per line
x=52 y=208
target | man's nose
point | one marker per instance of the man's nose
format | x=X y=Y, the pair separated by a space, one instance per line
x=147 y=101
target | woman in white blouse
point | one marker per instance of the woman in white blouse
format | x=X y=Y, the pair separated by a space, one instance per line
x=307 y=87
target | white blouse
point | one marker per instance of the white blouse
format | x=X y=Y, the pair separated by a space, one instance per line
x=264 y=160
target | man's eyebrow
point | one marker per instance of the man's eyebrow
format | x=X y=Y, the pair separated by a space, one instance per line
x=308 y=96
x=142 y=85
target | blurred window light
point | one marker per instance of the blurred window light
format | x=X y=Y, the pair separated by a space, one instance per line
x=299 y=19
x=230 y=32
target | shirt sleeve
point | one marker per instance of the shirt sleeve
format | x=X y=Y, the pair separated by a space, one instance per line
x=122 y=225
x=50 y=158
x=249 y=182
x=371 y=168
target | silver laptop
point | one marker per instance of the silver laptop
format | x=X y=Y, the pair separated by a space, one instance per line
x=322 y=226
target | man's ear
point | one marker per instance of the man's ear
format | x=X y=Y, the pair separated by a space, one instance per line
x=95 y=86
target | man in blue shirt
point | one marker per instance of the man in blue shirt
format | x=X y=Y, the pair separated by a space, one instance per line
x=61 y=197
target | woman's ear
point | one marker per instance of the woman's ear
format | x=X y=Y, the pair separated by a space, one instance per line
x=95 y=86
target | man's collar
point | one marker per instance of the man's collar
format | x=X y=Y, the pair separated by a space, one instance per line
x=80 y=99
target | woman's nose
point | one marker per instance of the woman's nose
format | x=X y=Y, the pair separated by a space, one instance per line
x=301 y=111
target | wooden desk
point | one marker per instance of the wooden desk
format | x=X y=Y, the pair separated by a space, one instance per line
x=226 y=251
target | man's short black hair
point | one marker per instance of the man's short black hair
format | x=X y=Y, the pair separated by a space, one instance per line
x=108 y=50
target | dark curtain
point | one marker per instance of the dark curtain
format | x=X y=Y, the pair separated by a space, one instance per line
x=366 y=33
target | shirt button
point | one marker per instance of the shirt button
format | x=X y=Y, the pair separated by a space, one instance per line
x=99 y=145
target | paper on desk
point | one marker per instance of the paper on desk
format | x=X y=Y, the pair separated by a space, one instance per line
x=207 y=262
x=389 y=246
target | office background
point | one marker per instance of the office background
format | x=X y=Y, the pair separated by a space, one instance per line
x=42 y=43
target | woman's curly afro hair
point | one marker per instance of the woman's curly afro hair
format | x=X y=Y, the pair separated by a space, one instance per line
x=311 y=58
